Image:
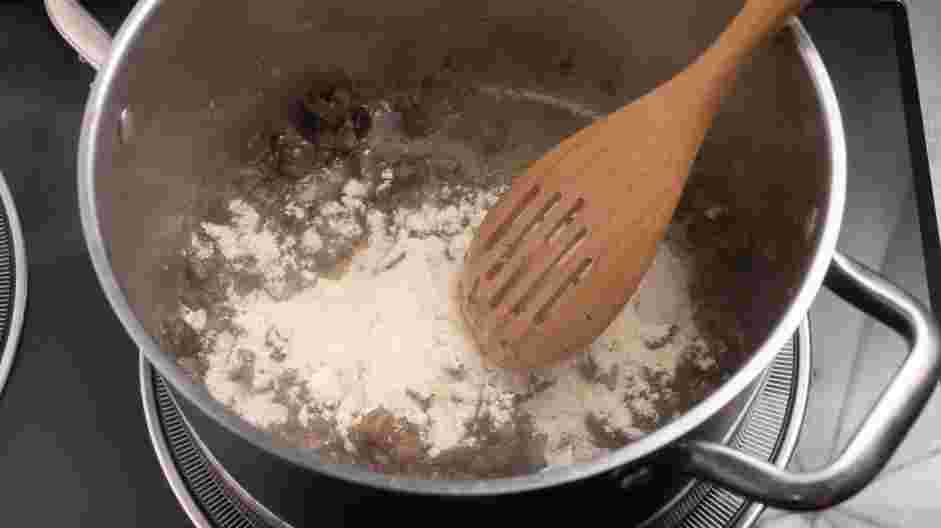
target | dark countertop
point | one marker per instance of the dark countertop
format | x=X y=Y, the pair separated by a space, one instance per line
x=78 y=454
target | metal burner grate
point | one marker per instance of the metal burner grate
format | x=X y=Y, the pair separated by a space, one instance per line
x=12 y=281
x=768 y=431
x=208 y=494
x=214 y=499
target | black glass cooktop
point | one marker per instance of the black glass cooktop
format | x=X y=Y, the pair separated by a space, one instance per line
x=73 y=447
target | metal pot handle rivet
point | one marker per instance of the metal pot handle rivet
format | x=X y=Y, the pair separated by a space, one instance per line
x=92 y=43
x=876 y=439
x=636 y=478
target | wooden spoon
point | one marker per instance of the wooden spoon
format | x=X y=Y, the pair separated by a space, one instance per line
x=561 y=253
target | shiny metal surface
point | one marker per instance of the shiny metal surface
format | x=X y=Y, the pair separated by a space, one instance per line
x=768 y=429
x=878 y=436
x=199 y=482
x=13 y=275
x=80 y=30
x=133 y=197
x=158 y=438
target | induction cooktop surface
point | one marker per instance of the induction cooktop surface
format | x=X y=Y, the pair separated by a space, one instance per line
x=72 y=427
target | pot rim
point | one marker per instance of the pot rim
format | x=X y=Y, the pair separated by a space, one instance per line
x=831 y=218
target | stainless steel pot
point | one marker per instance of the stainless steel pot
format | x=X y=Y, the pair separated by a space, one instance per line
x=182 y=83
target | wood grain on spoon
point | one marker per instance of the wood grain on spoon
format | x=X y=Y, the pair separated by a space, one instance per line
x=561 y=253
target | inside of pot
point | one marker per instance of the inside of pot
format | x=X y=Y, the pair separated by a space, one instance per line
x=442 y=96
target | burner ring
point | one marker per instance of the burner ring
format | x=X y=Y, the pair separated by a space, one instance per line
x=768 y=429
x=12 y=281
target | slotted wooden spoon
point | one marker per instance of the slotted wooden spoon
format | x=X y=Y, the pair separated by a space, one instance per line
x=561 y=253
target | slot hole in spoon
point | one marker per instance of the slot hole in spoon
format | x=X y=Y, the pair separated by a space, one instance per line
x=577 y=276
x=501 y=231
x=538 y=284
x=567 y=219
x=514 y=246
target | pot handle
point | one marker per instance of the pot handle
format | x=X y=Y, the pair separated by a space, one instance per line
x=876 y=439
x=80 y=30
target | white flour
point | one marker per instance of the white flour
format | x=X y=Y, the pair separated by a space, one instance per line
x=385 y=332
x=337 y=304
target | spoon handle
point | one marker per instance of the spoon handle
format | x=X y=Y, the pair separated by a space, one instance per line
x=713 y=73
x=770 y=15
